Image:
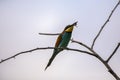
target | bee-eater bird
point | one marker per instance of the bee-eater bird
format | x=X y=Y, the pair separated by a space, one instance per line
x=62 y=42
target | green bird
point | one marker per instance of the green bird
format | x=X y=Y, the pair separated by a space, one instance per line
x=62 y=41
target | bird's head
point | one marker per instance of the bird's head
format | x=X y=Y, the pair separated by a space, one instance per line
x=69 y=28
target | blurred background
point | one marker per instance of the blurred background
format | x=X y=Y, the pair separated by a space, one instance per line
x=22 y=20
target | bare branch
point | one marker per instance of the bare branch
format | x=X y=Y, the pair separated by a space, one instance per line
x=3 y=60
x=93 y=43
x=110 y=70
x=84 y=45
x=50 y=34
x=113 y=53
x=90 y=52
x=82 y=51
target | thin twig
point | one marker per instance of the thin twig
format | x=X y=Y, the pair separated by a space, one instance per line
x=110 y=70
x=82 y=51
x=113 y=53
x=93 y=43
x=50 y=34
x=84 y=45
x=3 y=60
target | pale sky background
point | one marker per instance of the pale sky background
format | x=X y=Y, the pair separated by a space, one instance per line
x=22 y=20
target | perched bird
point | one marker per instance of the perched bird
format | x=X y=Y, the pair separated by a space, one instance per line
x=62 y=42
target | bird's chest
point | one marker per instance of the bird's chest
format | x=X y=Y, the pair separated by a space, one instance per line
x=65 y=39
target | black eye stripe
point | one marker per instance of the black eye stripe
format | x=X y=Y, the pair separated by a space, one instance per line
x=67 y=27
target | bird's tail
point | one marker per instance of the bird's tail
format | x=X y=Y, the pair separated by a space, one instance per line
x=50 y=60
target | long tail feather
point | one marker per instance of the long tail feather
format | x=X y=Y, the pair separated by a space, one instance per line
x=50 y=60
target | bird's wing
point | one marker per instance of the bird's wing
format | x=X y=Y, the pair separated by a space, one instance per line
x=59 y=39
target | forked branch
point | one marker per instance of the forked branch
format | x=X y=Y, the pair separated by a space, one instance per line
x=90 y=52
x=110 y=70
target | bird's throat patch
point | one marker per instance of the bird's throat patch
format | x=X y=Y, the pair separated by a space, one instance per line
x=69 y=29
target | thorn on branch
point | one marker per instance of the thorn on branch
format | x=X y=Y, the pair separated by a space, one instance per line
x=14 y=57
x=1 y=60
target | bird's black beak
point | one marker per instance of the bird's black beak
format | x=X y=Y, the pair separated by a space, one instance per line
x=75 y=23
